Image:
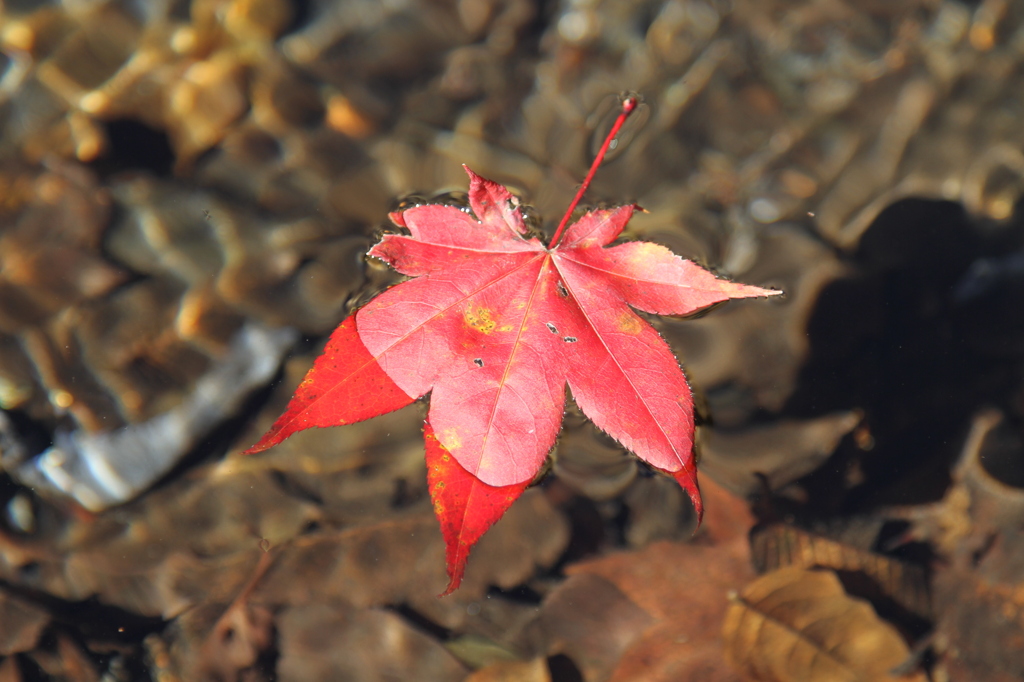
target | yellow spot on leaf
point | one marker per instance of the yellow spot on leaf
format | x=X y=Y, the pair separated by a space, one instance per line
x=451 y=441
x=644 y=250
x=630 y=324
x=480 y=319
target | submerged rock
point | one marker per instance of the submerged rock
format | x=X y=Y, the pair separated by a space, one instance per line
x=103 y=469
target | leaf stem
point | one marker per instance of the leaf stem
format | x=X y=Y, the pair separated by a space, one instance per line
x=628 y=106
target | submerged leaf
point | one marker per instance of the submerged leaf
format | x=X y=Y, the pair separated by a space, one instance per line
x=794 y=624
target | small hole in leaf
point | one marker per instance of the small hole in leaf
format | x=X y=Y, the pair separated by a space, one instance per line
x=478 y=362
x=562 y=291
x=569 y=339
x=551 y=328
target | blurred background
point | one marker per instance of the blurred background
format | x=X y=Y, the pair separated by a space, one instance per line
x=187 y=192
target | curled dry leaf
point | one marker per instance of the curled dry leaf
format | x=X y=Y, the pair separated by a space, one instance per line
x=798 y=625
x=777 y=545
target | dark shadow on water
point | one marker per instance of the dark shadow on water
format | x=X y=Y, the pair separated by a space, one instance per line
x=898 y=339
x=135 y=146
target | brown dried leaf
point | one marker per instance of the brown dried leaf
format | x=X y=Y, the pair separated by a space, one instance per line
x=654 y=615
x=979 y=592
x=22 y=624
x=401 y=560
x=685 y=586
x=777 y=546
x=231 y=647
x=535 y=670
x=334 y=641
x=981 y=622
x=219 y=642
x=591 y=621
x=794 y=624
x=477 y=651
x=356 y=565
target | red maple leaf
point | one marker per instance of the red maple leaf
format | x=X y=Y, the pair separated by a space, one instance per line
x=494 y=324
